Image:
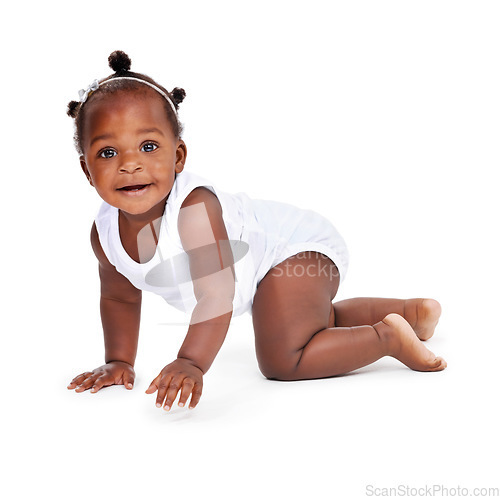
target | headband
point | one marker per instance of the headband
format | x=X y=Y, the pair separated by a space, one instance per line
x=85 y=93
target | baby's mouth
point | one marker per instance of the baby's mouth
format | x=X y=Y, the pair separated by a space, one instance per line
x=135 y=187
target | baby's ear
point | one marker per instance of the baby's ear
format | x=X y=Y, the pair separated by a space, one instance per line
x=85 y=169
x=181 y=154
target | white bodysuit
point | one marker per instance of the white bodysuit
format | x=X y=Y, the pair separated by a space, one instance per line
x=262 y=234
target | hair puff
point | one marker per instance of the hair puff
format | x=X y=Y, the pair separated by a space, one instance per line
x=119 y=61
x=178 y=95
x=72 y=109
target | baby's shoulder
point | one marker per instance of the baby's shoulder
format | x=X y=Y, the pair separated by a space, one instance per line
x=200 y=219
x=200 y=194
x=96 y=246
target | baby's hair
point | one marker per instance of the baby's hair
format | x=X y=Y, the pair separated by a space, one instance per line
x=120 y=63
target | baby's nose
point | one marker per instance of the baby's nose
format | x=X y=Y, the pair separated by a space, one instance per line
x=130 y=163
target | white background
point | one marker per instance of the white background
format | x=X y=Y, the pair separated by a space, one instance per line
x=384 y=117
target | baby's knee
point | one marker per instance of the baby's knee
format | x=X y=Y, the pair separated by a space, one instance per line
x=278 y=368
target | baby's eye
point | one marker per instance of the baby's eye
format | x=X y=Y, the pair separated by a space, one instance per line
x=107 y=153
x=149 y=147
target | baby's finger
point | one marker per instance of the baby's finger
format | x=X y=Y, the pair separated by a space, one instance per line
x=195 y=398
x=187 y=387
x=100 y=382
x=154 y=385
x=128 y=380
x=87 y=383
x=78 y=380
x=162 y=389
x=173 y=388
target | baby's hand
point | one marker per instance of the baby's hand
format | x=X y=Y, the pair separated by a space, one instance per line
x=112 y=373
x=178 y=375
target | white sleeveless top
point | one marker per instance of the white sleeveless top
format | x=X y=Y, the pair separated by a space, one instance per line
x=262 y=234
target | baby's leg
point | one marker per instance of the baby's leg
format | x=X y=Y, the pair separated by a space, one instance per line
x=291 y=312
x=422 y=314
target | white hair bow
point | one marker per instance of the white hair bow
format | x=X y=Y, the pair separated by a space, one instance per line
x=85 y=93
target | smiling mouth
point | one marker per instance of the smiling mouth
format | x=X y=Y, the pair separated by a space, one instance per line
x=136 y=187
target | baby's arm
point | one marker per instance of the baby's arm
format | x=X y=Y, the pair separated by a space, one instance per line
x=204 y=238
x=120 y=315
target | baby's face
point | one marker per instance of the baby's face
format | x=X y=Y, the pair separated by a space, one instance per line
x=131 y=155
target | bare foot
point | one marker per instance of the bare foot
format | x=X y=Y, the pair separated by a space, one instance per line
x=423 y=316
x=407 y=348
